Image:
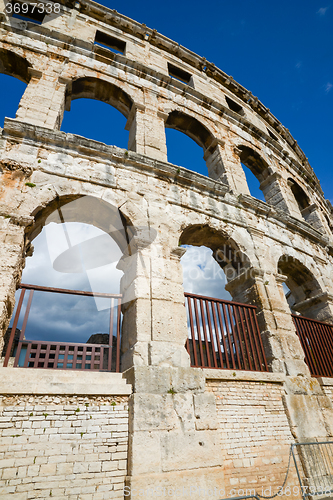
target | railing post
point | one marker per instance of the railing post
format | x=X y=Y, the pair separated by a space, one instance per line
x=12 y=334
x=317 y=341
x=231 y=330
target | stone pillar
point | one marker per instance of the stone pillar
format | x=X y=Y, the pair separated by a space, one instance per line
x=215 y=166
x=146 y=127
x=173 y=438
x=234 y=173
x=43 y=101
x=282 y=346
x=11 y=252
x=319 y=307
x=155 y=322
x=311 y=215
x=274 y=193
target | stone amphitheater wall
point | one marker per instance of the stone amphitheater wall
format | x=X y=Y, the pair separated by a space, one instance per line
x=179 y=417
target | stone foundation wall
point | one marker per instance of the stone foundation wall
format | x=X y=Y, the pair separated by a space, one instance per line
x=65 y=447
x=255 y=436
x=327 y=386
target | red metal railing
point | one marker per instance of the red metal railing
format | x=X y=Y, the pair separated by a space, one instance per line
x=223 y=334
x=63 y=355
x=317 y=341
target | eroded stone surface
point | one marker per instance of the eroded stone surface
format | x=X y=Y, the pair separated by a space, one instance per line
x=176 y=424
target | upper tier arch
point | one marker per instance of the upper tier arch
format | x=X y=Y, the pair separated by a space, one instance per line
x=146 y=70
x=14 y=65
x=101 y=90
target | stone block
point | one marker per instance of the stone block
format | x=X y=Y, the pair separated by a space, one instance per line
x=305 y=416
x=152 y=412
x=205 y=412
x=144 y=453
x=184 y=410
x=190 y=450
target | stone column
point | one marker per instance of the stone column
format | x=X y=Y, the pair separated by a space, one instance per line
x=274 y=192
x=174 y=448
x=11 y=252
x=282 y=346
x=43 y=101
x=312 y=215
x=146 y=127
x=234 y=174
x=319 y=307
x=155 y=322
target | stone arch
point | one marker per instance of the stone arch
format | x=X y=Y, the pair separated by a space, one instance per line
x=300 y=195
x=14 y=65
x=89 y=210
x=190 y=126
x=201 y=135
x=307 y=296
x=256 y=165
x=254 y=161
x=101 y=90
x=226 y=250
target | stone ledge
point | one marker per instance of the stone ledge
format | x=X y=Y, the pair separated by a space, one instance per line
x=37 y=382
x=59 y=141
x=239 y=375
x=325 y=381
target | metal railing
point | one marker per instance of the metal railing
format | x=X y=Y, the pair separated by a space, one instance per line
x=65 y=355
x=314 y=467
x=223 y=334
x=317 y=341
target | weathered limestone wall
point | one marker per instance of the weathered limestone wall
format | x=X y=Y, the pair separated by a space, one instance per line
x=179 y=428
x=59 y=442
x=173 y=442
x=64 y=447
x=327 y=386
x=254 y=431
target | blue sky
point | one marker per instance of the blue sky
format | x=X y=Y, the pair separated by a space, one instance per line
x=281 y=51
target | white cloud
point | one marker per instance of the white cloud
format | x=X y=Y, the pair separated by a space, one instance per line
x=328 y=87
x=73 y=318
x=298 y=65
x=66 y=317
x=202 y=275
x=322 y=11
x=39 y=268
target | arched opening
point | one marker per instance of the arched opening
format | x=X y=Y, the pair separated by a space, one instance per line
x=300 y=196
x=253 y=184
x=14 y=65
x=303 y=292
x=256 y=171
x=202 y=274
x=90 y=115
x=225 y=251
x=302 y=200
x=311 y=311
x=221 y=333
x=13 y=81
x=68 y=309
x=182 y=151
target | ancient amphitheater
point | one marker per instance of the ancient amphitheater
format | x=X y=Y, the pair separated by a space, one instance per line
x=204 y=400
